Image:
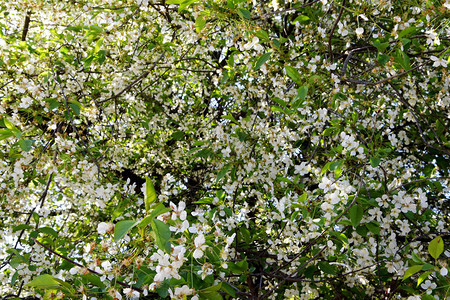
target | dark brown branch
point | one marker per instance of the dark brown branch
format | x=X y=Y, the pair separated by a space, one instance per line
x=349 y=56
x=26 y=25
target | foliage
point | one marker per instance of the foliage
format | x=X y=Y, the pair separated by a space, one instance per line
x=224 y=149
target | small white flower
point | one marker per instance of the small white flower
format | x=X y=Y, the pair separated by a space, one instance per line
x=428 y=286
x=130 y=293
x=106 y=265
x=359 y=31
x=180 y=227
x=444 y=271
x=438 y=62
x=103 y=228
x=207 y=269
x=200 y=246
x=178 y=212
x=181 y=292
x=342 y=30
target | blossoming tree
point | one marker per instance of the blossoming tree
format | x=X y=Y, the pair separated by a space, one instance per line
x=224 y=149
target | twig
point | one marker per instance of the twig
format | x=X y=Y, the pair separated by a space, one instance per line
x=330 y=51
x=349 y=56
x=283 y=11
x=134 y=82
x=123 y=284
x=30 y=214
x=26 y=25
x=284 y=279
x=392 y=77
x=418 y=180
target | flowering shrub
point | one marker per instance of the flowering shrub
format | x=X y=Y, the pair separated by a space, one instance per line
x=224 y=149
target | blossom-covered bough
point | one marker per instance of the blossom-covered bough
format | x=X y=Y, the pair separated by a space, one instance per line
x=224 y=149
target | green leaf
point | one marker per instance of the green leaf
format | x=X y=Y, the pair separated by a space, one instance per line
x=101 y=56
x=327 y=268
x=293 y=74
x=211 y=296
x=184 y=4
x=427 y=267
x=381 y=47
x=374 y=162
x=373 y=227
x=329 y=131
x=246 y=236
x=53 y=103
x=21 y=227
x=382 y=59
x=402 y=58
x=178 y=135
x=95 y=280
x=20 y=257
x=158 y=210
x=265 y=57
x=417 y=259
x=25 y=145
x=162 y=234
x=12 y=128
x=98 y=44
x=5 y=133
x=407 y=32
x=200 y=23
x=280 y=102
x=75 y=28
x=243 y=13
x=8 y=124
x=356 y=215
x=302 y=92
x=44 y=281
x=411 y=271
x=122 y=227
x=222 y=172
x=14 y=278
x=262 y=35
x=238 y=267
x=303 y=197
x=436 y=247
x=150 y=193
x=302 y=19
x=227 y=288
x=36 y=217
x=49 y=231
x=76 y=107
x=335 y=165
x=423 y=277
x=325 y=168
x=213 y=288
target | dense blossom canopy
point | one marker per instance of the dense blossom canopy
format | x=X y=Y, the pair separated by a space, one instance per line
x=224 y=149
